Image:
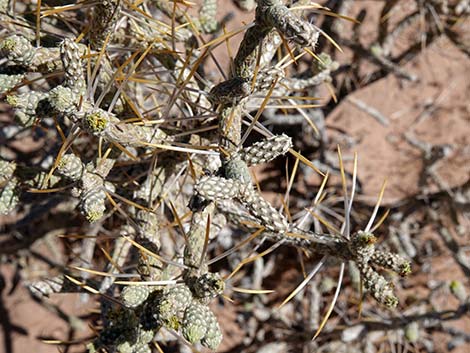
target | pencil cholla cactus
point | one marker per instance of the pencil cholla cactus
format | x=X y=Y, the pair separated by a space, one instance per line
x=134 y=130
